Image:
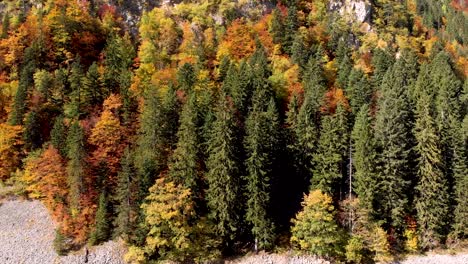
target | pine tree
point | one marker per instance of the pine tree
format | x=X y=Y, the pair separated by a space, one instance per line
x=58 y=136
x=76 y=165
x=364 y=155
x=184 y=164
x=125 y=196
x=432 y=202
x=261 y=151
x=102 y=228
x=223 y=174
x=314 y=228
x=394 y=143
x=299 y=53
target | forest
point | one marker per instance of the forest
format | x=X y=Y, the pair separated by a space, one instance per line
x=199 y=129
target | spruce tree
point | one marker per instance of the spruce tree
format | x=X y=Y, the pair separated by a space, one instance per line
x=381 y=60
x=149 y=149
x=126 y=197
x=277 y=27
x=394 y=141
x=344 y=70
x=32 y=131
x=101 y=230
x=76 y=165
x=223 y=176
x=460 y=172
x=290 y=29
x=261 y=143
x=5 y=25
x=58 y=136
x=184 y=164
x=364 y=156
x=332 y=146
x=358 y=90
x=92 y=88
x=186 y=77
x=432 y=201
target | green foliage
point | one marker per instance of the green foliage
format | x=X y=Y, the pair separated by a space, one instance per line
x=76 y=165
x=332 y=148
x=102 y=226
x=358 y=90
x=364 y=156
x=432 y=203
x=262 y=120
x=32 y=135
x=394 y=143
x=126 y=197
x=184 y=164
x=223 y=174
x=355 y=250
x=58 y=136
x=173 y=234
x=314 y=228
x=93 y=93
x=460 y=170
x=62 y=243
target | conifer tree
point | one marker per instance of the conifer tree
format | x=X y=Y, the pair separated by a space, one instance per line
x=460 y=172
x=344 y=70
x=102 y=227
x=76 y=86
x=394 y=142
x=262 y=120
x=32 y=135
x=223 y=176
x=290 y=29
x=332 y=146
x=92 y=89
x=126 y=197
x=432 y=202
x=381 y=60
x=358 y=90
x=58 y=136
x=186 y=77
x=184 y=164
x=364 y=155
x=277 y=27
x=5 y=25
x=76 y=165
x=119 y=53
x=149 y=149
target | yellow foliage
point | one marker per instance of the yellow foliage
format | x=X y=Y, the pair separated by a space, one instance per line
x=10 y=149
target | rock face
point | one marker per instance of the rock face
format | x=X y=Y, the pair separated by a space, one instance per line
x=355 y=10
x=27 y=233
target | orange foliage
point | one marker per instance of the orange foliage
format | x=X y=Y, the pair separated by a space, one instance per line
x=238 y=42
x=49 y=180
x=333 y=97
x=10 y=149
x=263 y=33
x=107 y=137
